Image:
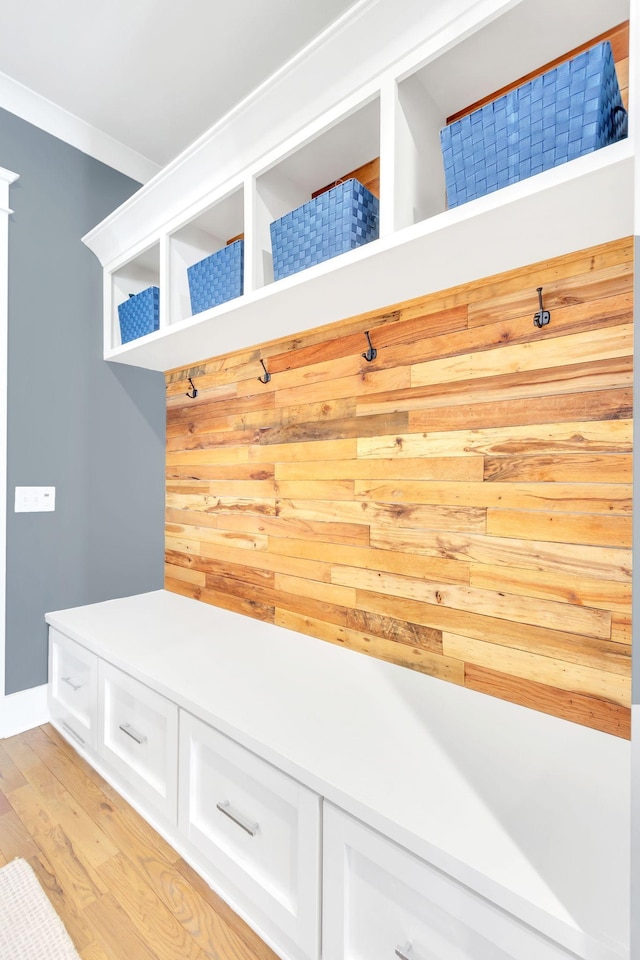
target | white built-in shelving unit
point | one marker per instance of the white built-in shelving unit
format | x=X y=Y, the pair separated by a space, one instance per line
x=247 y=171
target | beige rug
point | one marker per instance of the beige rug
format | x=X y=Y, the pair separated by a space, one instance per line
x=30 y=929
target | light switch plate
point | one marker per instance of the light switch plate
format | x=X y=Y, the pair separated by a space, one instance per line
x=35 y=499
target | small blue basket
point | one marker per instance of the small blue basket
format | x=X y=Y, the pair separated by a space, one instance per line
x=569 y=111
x=338 y=220
x=217 y=278
x=140 y=314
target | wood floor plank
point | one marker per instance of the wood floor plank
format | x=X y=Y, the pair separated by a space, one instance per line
x=258 y=947
x=134 y=905
x=153 y=921
x=15 y=839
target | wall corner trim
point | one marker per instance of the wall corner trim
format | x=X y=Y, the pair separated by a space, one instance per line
x=48 y=116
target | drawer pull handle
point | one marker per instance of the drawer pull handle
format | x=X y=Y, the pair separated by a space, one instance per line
x=72 y=733
x=74 y=686
x=247 y=825
x=404 y=953
x=130 y=732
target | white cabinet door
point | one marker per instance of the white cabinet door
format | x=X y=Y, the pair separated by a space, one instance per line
x=380 y=902
x=73 y=690
x=139 y=739
x=256 y=827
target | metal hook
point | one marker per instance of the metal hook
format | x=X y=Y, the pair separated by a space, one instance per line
x=267 y=375
x=194 y=392
x=371 y=353
x=542 y=317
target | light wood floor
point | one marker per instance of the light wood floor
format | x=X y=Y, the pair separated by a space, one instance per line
x=122 y=892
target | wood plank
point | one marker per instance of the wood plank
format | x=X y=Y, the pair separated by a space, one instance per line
x=432 y=468
x=201 y=471
x=114 y=931
x=188 y=574
x=259 y=949
x=10 y=776
x=599 y=655
x=60 y=807
x=579 y=288
x=448 y=518
x=367 y=381
x=327 y=532
x=300 y=551
x=75 y=874
x=609 y=374
x=272 y=560
x=602 y=343
x=574 y=678
x=578 y=560
x=152 y=919
x=515 y=608
x=62 y=901
x=217 y=567
x=588 y=711
x=609 y=499
x=608 y=468
x=596 y=405
x=335 y=429
x=584 y=591
x=314 y=590
x=398 y=630
x=612 y=531
x=309 y=450
x=569 y=320
x=618 y=36
x=609 y=436
x=15 y=840
x=433 y=665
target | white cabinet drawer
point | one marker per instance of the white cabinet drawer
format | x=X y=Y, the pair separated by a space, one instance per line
x=139 y=738
x=256 y=827
x=381 y=903
x=73 y=690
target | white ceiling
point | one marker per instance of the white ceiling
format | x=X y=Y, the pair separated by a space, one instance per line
x=154 y=74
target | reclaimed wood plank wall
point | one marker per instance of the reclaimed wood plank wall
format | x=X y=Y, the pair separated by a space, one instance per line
x=460 y=506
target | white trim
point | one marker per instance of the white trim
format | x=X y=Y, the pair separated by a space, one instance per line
x=23 y=711
x=48 y=116
x=6 y=179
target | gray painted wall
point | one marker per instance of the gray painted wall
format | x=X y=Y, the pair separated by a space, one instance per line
x=95 y=431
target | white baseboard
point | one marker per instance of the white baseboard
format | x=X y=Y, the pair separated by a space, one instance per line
x=23 y=711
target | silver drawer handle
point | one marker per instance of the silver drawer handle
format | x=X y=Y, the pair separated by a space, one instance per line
x=130 y=732
x=72 y=733
x=405 y=953
x=247 y=825
x=74 y=686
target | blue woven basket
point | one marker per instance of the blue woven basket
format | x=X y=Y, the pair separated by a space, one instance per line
x=571 y=110
x=217 y=278
x=139 y=314
x=338 y=220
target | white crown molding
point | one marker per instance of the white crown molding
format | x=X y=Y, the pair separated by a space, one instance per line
x=42 y=113
x=305 y=88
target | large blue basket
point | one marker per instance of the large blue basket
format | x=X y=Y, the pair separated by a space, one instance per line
x=336 y=221
x=140 y=314
x=217 y=278
x=571 y=110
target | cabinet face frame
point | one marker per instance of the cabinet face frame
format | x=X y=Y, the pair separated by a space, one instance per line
x=138 y=739
x=225 y=848
x=73 y=690
x=378 y=897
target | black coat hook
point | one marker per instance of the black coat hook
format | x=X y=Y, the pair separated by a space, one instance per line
x=194 y=392
x=542 y=317
x=371 y=353
x=267 y=375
